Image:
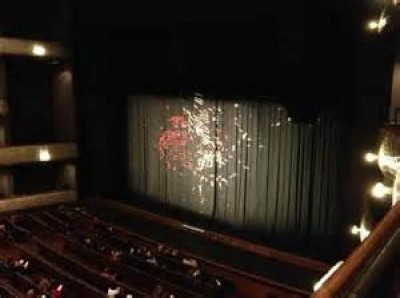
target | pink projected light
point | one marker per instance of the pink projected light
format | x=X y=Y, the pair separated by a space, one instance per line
x=195 y=141
x=172 y=145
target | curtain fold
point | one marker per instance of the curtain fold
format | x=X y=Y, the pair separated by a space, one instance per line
x=244 y=163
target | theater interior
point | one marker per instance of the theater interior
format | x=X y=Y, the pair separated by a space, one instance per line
x=179 y=149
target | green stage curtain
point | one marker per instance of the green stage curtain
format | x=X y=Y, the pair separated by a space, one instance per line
x=240 y=162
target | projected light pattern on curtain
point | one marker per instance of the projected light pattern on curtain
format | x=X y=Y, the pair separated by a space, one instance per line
x=240 y=162
x=194 y=141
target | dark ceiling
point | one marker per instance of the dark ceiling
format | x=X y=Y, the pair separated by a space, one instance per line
x=303 y=53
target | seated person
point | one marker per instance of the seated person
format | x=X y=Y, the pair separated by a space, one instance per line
x=56 y=291
x=160 y=248
x=174 y=252
x=152 y=261
x=31 y=293
x=196 y=272
x=157 y=292
x=6 y=231
x=190 y=262
x=44 y=284
x=107 y=273
x=21 y=264
x=116 y=254
x=112 y=292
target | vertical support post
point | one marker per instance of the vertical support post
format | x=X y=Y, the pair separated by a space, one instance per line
x=67 y=178
x=64 y=120
x=6 y=178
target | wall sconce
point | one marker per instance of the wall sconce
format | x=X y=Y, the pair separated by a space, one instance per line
x=39 y=50
x=379 y=190
x=44 y=155
x=362 y=231
x=379 y=24
x=370 y=157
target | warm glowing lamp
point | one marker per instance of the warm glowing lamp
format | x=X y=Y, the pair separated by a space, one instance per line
x=38 y=50
x=354 y=230
x=372 y=25
x=44 y=155
x=370 y=157
x=362 y=231
x=378 y=24
x=379 y=190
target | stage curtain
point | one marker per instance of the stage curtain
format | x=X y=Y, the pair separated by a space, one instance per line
x=245 y=163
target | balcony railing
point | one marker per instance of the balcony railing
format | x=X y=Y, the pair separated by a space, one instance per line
x=350 y=278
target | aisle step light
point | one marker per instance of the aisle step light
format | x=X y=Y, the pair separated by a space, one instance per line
x=44 y=155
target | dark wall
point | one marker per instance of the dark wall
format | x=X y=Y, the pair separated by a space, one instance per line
x=41 y=19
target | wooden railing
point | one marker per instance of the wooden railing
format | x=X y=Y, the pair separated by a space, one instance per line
x=14 y=155
x=37 y=200
x=25 y=47
x=341 y=280
x=214 y=236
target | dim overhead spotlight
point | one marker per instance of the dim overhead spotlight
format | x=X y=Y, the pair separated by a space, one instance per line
x=38 y=50
x=370 y=157
x=379 y=190
x=378 y=24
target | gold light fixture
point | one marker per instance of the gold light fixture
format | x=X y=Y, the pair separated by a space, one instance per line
x=380 y=190
x=377 y=25
x=370 y=157
x=44 y=155
x=362 y=231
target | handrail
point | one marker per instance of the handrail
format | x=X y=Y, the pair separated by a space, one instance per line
x=358 y=258
x=37 y=200
x=16 y=155
x=214 y=236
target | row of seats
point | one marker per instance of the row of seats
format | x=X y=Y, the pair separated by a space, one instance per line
x=85 y=252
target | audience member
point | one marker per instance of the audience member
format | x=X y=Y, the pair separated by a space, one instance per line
x=56 y=292
x=113 y=292
x=44 y=284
